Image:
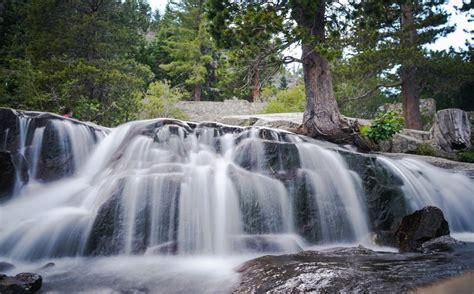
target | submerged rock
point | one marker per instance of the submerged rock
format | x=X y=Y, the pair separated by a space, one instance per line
x=421 y=226
x=350 y=270
x=5 y=266
x=21 y=283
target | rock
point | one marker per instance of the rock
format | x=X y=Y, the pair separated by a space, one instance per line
x=421 y=226
x=48 y=265
x=400 y=143
x=350 y=270
x=285 y=121
x=267 y=156
x=384 y=195
x=451 y=130
x=441 y=244
x=7 y=174
x=266 y=243
x=6 y=266
x=21 y=283
x=8 y=129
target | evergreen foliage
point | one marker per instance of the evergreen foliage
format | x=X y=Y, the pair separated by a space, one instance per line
x=110 y=61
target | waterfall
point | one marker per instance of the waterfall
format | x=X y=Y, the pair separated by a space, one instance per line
x=424 y=185
x=161 y=187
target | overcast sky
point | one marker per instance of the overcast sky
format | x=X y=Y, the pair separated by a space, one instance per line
x=455 y=39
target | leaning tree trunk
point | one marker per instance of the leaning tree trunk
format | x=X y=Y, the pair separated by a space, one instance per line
x=322 y=118
x=410 y=91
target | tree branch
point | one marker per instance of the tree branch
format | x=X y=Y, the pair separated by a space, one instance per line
x=371 y=91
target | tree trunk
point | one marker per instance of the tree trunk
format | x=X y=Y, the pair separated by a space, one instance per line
x=410 y=91
x=255 y=85
x=197 y=92
x=322 y=118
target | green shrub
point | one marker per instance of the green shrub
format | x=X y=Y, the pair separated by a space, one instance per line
x=160 y=101
x=289 y=100
x=466 y=156
x=425 y=149
x=384 y=126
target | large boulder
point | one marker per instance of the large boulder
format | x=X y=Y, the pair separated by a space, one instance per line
x=349 y=270
x=21 y=283
x=419 y=227
x=451 y=130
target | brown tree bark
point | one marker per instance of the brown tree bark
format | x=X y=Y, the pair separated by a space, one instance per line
x=322 y=118
x=197 y=95
x=410 y=90
x=255 y=85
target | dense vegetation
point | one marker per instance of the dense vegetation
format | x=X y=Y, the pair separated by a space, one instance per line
x=114 y=61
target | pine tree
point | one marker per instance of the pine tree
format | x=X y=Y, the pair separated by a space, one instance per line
x=308 y=22
x=392 y=34
x=189 y=46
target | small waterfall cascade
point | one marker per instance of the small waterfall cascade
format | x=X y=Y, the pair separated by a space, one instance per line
x=425 y=185
x=43 y=142
x=161 y=187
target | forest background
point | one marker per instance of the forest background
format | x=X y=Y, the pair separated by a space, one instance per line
x=116 y=61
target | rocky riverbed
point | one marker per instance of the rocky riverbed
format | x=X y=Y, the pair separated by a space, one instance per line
x=355 y=269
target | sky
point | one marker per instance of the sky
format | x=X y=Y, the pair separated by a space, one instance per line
x=455 y=39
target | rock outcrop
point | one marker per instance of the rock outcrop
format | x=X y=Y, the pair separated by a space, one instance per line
x=419 y=227
x=350 y=270
x=51 y=158
x=451 y=130
x=21 y=283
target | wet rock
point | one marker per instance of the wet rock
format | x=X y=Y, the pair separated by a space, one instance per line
x=6 y=266
x=349 y=270
x=48 y=265
x=7 y=174
x=441 y=244
x=8 y=130
x=451 y=130
x=270 y=157
x=385 y=199
x=266 y=243
x=423 y=225
x=21 y=283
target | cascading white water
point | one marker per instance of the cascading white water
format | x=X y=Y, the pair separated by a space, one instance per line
x=75 y=141
x=154 y=188
x=337 y=192
x=36 y=144
x=424 y=185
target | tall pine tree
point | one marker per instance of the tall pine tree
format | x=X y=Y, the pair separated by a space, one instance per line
x=395 y=32
x=189 y=46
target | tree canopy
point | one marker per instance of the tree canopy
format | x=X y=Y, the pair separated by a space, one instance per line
x=106 y=58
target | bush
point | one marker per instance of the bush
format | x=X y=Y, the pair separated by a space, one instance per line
x=425 y=149
x=289 y=100
x=384 y=126
x=466 y=156
x=160 y=101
